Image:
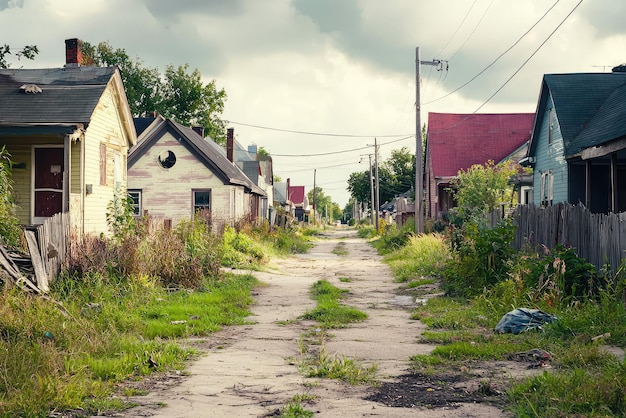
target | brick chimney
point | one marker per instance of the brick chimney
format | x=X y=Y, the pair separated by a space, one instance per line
x=73 y=52
x=230 y=144
x=199 y=130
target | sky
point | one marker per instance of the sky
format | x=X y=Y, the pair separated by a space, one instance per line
x=318 y=83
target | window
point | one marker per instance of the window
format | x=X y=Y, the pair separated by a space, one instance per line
x=547 y=184
x=201 y=200
x=167 y=159
x=135 y=195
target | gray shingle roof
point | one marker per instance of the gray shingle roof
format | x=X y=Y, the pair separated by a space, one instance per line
x=580 y=98
x=69 y=95
x=207 y=151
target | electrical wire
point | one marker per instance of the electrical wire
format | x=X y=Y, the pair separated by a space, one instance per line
x=457 y=28
x=529 y=58
x=312 y=133
x=473 y=30
x=343 y=151
x=497 y=58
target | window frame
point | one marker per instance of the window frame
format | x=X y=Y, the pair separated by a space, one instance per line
x=195 y=207
x=137 y=205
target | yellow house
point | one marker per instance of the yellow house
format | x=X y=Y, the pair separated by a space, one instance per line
x=68 y=131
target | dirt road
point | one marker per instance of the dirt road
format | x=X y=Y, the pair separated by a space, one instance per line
x=250 y=371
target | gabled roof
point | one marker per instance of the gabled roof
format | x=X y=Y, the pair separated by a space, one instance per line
x=296 y=195
x=458 y=141
x=58 y=96
x=590 y=108
x=206 y=150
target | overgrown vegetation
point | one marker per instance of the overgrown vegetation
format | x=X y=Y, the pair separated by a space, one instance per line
x=484 y=279
x=10 y=232
x=120 y=304
x=329 y=312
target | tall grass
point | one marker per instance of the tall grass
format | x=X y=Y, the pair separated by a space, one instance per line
x=423 y=255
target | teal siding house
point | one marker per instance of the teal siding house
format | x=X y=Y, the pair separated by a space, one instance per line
x=578 y=143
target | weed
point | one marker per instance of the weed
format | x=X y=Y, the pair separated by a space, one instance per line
x=294 y=408
x=338 y=367
x=329 y=312
x=340 y=249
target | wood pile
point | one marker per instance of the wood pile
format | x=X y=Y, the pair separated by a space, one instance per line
x=17 y=269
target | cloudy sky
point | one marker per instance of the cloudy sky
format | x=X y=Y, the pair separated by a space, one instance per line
x=317 y=82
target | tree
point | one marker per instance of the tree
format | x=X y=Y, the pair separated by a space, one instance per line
x=324 y=204
x=395 y=176
x=177 y=94
x=28 y=52
x=482 y=188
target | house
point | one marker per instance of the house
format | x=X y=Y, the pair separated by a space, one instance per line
x=457 y=141
x=300 y=201
x=256 y=167
x=578 y=143
x=68 y=131
x=173 y=172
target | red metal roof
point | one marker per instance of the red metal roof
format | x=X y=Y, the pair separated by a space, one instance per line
x=458 y=141
x=296 y=194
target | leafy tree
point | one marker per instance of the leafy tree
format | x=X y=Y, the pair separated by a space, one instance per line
x=324 y=204
x=28 y=52
x=178 y=93
x=482 y=188
x=395 y=176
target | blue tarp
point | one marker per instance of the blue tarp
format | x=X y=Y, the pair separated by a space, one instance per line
x=523 y=319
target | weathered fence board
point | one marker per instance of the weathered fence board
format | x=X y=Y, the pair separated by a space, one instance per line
x=599 y=238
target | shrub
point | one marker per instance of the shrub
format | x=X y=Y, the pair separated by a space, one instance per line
x=10 y=231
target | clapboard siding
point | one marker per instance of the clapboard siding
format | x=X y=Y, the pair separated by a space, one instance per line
x=105 y=127
x=550 y=157
x=167 y=193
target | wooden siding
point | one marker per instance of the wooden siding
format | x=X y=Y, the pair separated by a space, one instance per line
x=167 y=193
x=20 y=149
x=550 y=157
x=105 y=127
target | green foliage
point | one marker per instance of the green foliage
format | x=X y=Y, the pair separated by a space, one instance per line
x=482 y=188
x=28 y=52
x=10 y=231
x=423 y=255
x=240 y=250
x=324 y=205
x=394 y=238
x=120 y=215
x=366 y=231
x=480 y=258
x=178 y=93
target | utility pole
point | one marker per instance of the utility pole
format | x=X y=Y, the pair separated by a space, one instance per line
x=377 y=182
x=419 y=169
x=371 y=190
x=314 y=213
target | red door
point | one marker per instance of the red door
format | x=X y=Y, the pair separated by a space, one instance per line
x=48 y=182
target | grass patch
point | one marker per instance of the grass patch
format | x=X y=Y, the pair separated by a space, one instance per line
x=295 y=408
x=340 y=249
x=345 y=279
x=423 y=255
x=108 y=330
x=421 y=282
x=338 y=367
x=329 y=312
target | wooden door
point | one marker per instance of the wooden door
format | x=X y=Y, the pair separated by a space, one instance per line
x=48 y=182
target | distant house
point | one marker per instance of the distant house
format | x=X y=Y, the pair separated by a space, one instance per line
x=257 y=168
x=578 y=143
x=173 y=172
x=300 y=201
x=68 y=131
x=457 y=141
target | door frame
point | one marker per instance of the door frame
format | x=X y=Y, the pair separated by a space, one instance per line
x=38 y=220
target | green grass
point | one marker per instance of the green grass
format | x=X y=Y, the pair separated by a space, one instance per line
x=295 y=409
x=423 y=255
x=329 y=312
x=107 y=331
x=338 y=367
x=340 y=249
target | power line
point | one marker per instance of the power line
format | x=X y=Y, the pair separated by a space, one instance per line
x=473 y=30
x=529 y=58
x=457 y=28
x=342 y=151
x=312 y=133
x=497 y=58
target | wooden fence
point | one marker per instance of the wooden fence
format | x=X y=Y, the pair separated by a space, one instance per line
x=598 y=238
